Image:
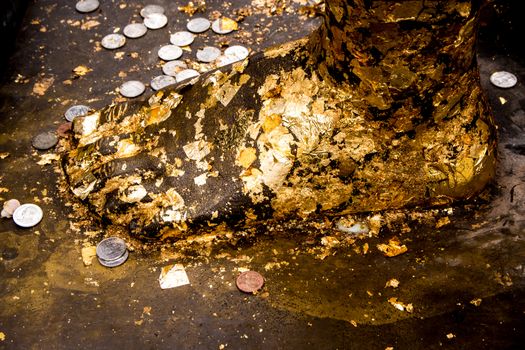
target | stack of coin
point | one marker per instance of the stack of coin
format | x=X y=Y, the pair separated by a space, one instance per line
x=112 y=252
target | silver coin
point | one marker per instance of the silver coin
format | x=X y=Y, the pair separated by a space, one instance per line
x=237 y=51
x=162 y=81
x=86 y=6
x=113 y=41
x=182 y=38
x=135 y=30
x=116 y=262
x=169 y=52
x=155 y=21
x=186 y=74
x=208 y=54
x=27 y=215
x=151 y=9
x=503 y=79
x=132 y=88
x=173 y=67
x=76 y=111
x=45 y=141
x=218 y=27
x=198 y=25
x=111 y=248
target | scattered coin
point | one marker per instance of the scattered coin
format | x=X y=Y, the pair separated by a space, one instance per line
x=198 y=25
x=162 y=81
x=250 y=281
x=76 y=111
x=86 y=6
x=224 y=25
x=155 y=21
x=173 y=67
x=237 y=51
x=151 y=9
x=112 y=251
x=208 y=54
x=503 y=79
x=135 y=30
x=45 y=141
x=132 y=88
x=182 y=38
x=186 y=74
x=169 y=52
x=113 y=41
x=9 y=208
x=27 y=215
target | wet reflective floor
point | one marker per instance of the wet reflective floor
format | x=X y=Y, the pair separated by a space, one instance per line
x=465 y=279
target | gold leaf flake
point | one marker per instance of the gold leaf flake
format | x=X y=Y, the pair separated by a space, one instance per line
x=89 y=24
x=226 y=23
x=246 y=157
x=88 y=253
x=43 y=85
x=191 y=8
x=394 y=283
x=400 y=305
x=329 y=241
x=270 y=122
x=4 y=155
x=476 y=302
x=443 y=222
x=20 y=79
x=393 y=248
x=48 y=158
x=119 y=55
x=81 y=70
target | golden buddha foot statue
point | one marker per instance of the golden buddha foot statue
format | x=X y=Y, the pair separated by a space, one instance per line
x=380 y=108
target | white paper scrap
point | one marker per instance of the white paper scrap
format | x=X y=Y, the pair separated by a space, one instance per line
x=172 y=276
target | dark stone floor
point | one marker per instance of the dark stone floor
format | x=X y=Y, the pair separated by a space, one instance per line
x=50 y=300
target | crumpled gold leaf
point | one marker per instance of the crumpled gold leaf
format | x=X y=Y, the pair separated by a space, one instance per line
x=81 y=70
x=393 y=248
x=42 y=85
x=226 y=23
x=192 y=8
x=400 y=305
